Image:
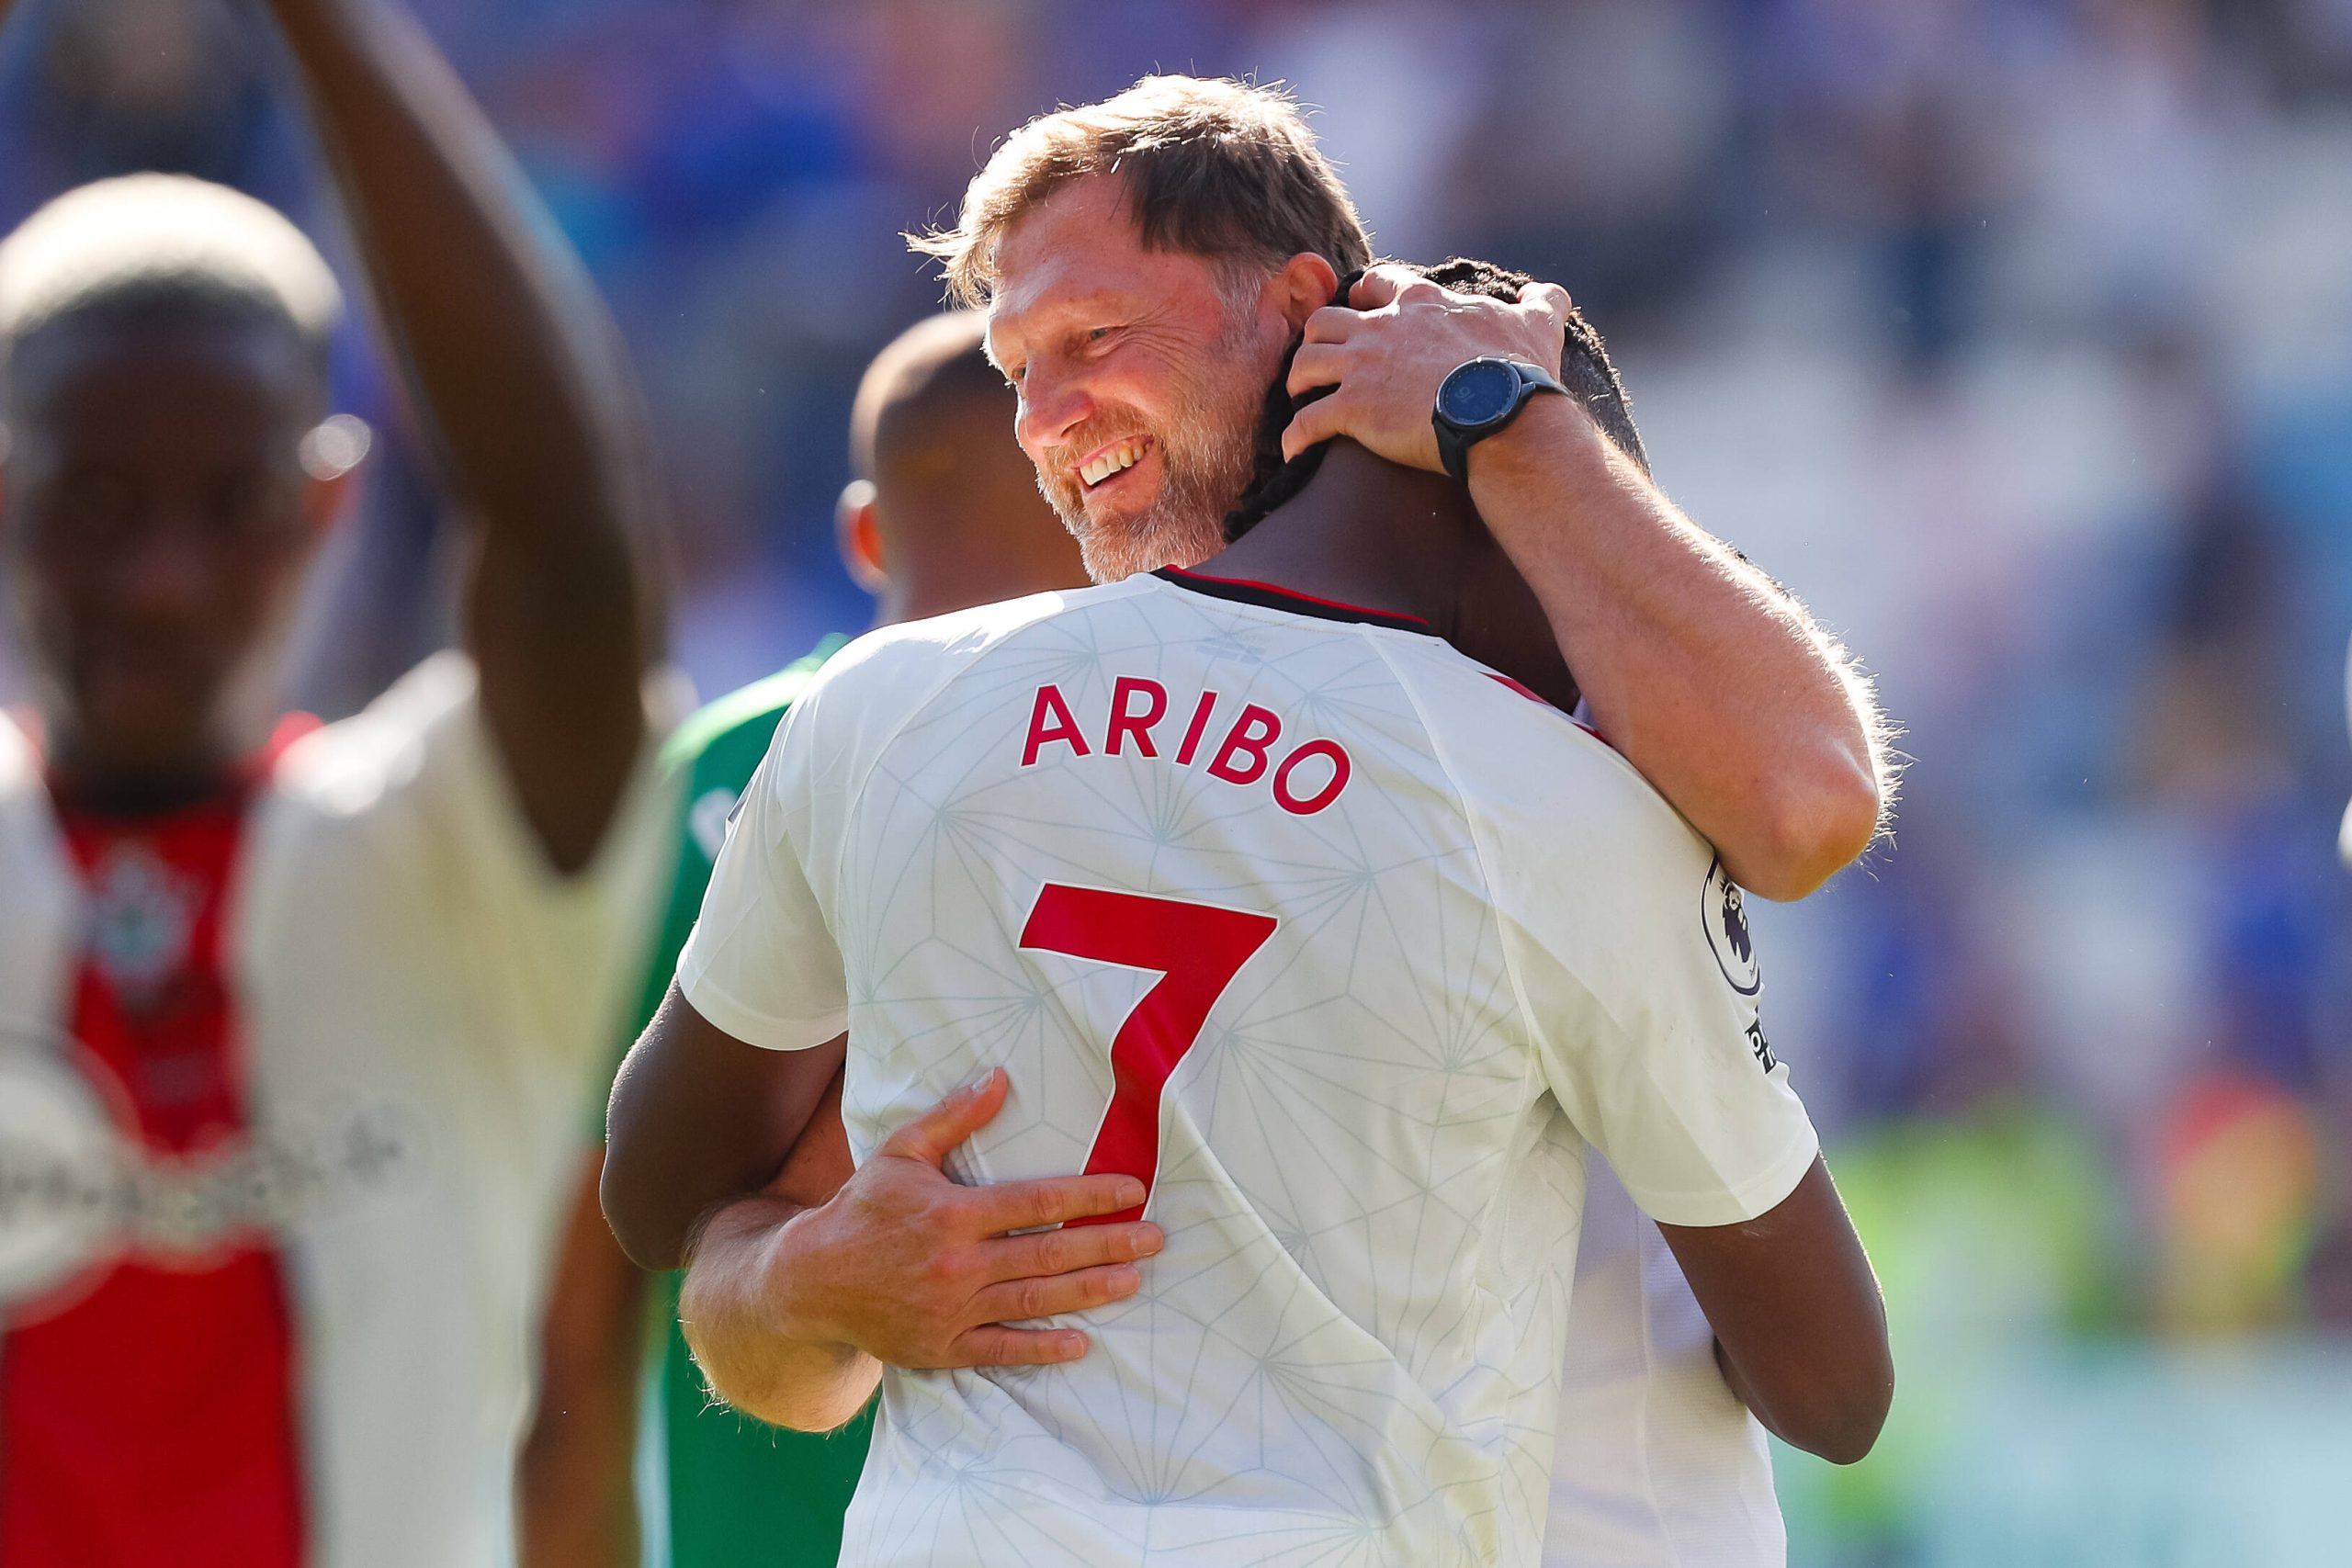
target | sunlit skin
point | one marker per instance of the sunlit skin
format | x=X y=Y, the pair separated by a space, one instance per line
x=158 y=521
x=1108 y=342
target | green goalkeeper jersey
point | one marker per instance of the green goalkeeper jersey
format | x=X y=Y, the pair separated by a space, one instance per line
x=739 y=1492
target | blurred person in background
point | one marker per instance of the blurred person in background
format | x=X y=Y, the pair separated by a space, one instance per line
x=943 y=514
x=305 y=1023
x=1639 y=1376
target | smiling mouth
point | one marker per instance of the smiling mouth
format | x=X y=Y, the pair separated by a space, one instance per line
x=1115 y=458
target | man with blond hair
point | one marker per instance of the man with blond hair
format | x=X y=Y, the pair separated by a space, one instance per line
x=1138 y=260
x=1141 y=386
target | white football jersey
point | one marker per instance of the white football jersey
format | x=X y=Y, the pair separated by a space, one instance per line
x=1344 y=944
x=426 y=1008
x=1658 y=1464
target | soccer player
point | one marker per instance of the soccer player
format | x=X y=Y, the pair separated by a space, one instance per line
x=943 y=514
x=1631 y=586
x=1410 y=941
x=307 y=1023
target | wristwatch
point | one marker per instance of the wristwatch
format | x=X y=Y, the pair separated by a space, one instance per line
x=1479 y=397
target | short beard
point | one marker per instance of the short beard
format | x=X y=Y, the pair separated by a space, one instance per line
x=1208 y=453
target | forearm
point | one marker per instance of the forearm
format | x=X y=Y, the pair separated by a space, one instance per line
x=1709 y=678
x=520 y=382
x=516 y=366
x=576 y=1484
x=740 y=1321
x=577 y=1487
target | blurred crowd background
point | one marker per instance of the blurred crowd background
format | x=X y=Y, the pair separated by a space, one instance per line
x=2015 y=335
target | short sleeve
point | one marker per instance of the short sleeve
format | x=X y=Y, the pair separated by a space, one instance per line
x=1631 y=953
x=410 y=802
x=762 y=963
x=1642 y=981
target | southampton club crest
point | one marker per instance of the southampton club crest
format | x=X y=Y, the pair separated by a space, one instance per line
x=143 y=914
x=1723 y=911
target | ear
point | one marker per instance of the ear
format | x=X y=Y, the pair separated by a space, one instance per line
x=332 y=454
x=1305 y=283
x=860 y=537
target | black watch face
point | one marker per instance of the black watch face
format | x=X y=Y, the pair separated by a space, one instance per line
x=1478 y=393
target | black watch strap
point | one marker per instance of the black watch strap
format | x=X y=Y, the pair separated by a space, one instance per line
x=1454 y=439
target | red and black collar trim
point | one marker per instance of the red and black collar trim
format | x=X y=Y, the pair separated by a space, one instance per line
x=1241 y=590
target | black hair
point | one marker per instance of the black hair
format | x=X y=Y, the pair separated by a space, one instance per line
x=1585 y=370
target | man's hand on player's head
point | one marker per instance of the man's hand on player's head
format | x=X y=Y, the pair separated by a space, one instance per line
x=1394 y=340
x=917 y=1271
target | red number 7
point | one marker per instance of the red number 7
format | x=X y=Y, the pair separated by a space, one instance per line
x=1197 y=948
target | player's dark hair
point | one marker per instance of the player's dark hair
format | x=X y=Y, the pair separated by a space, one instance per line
x=936 y=365
x=1585 y=370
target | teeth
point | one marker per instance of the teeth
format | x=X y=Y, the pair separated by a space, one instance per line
x=1127 y=455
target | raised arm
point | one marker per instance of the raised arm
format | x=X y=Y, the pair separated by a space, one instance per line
x=519 y=378
x=1708 y=677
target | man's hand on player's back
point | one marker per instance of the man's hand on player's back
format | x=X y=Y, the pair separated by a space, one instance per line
x=797 y=1294
x=905 y=1264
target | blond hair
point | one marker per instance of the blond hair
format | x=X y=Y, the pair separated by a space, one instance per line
x=1216 y=167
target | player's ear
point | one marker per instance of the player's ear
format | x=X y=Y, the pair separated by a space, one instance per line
x=860 y=537
x=1305 y=283
x=332 y=454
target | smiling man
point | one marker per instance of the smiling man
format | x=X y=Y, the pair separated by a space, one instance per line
x=1138 y=313
x=1142 y=376
x=1411 y=943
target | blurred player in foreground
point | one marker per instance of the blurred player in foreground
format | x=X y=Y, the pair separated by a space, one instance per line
x=1434 y=940
x=943 y=514
x=1631 y=584
x=302 y=1030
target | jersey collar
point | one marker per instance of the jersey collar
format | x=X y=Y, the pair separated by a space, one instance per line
x=1266 y=595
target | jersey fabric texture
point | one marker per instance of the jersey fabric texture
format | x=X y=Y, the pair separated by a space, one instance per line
x=737 y=1490
x=1658 y=1464
x=421 y=1006
x=1341 y=943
